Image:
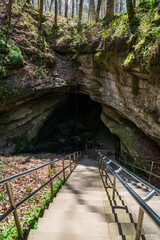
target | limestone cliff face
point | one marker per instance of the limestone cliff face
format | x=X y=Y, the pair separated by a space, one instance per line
x=127 y=97
x=130 y=103
x=20 y=124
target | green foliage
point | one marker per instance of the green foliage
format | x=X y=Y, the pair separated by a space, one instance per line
x=32 y=215
x=28 y=188
x=2 y=69
x=15 y=57
x=15 y=54
x=101 y=56
x=1 y=197
x=21 y=145
x=129 y=61
x=143 y=35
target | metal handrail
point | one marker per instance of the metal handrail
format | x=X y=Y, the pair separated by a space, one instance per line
x=141 y=158
x=141 y=201
x=77 y=156
x=147 y=184
x=120 y=157
x=132 y=165
x=4 y=180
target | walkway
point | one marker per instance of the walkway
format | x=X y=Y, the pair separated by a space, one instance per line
x=77 y=213
x=84 y=210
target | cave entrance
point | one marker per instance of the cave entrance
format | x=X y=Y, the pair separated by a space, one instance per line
x=75 y=125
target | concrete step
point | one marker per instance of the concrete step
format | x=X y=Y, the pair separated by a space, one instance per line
x=40 y=235
x=113 y=203
x=132 y=237
x=129 y=229
x=83 y=185
x=82 y=191
x=71 y=226
x=76 y=187
x=77 y=207
x=120 y=218
x=70 y=196
x=79 y=200
x=118 y=210
x=155 y=208
x=78 y=216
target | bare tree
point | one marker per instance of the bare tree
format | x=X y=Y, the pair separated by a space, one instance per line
x=9 y=13
x=116 y=6
x=134 y=3
x=80 y=12
x=72 y=8
x=66 y=8
x=98 y=9
x=92 y=6
x=110 y=9
x=56 y=13
x=130 y=9
x=77 y=8
x=60 y=7
x=40 y=14
x=50 y=7
x=121 y=6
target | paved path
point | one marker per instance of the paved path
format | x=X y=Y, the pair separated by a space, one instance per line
x=77 y=213
x=84 y=210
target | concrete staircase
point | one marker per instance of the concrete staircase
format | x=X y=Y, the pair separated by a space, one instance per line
x=122 y=214
x=84 y=209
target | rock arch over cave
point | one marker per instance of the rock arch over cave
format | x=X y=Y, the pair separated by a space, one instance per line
x=73 y=125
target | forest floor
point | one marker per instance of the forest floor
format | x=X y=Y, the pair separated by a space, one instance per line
x=26 y=184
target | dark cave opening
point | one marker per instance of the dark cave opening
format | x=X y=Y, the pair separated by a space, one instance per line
x=73 y=126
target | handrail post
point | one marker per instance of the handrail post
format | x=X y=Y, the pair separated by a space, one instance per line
x=139 y=224
x=51 y=183
x=10 y=194
x=63 y=170
x=74 y=157
x=114 y=187
x=125 y=159
x=106 y=175
x=151 y=171
x=102 y=167
x=99 y=162
x=70 y=164
x=80 y=156
x=77 y=157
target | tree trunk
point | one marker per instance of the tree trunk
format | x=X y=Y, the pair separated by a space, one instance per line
x=56 y=13
x=9 y=15
x=92 y=6
x=98 y=9
x=40 y=15
x=72 y=8
x=121 y=6
x=80 y=12
x=66 y=8
x=130 y=10
x=134 y=3
x=110 y=9
x=60 y=7
x=50 y=8
x=45 y=5
x=116 y=6
x=77 y=8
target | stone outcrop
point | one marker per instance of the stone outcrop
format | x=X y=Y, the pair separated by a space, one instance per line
x=127 y=97
x=130 y=103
